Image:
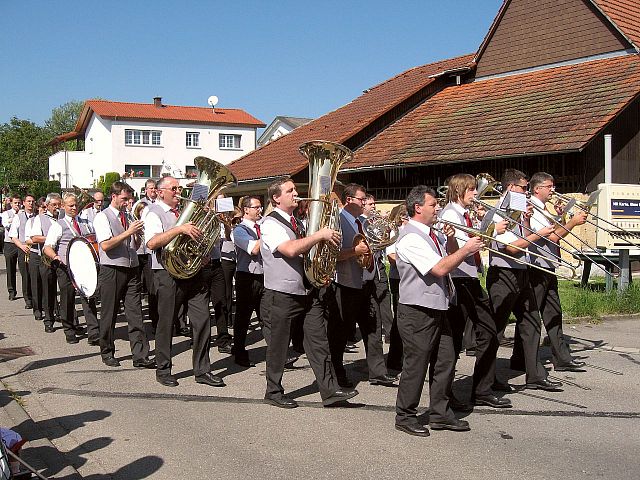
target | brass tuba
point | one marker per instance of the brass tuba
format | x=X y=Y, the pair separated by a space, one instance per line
x=325 y=159
x=380 y=231
x=182 y=257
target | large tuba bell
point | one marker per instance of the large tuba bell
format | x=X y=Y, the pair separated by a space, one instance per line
x=380 y=231
x=325 y=159
x=182 y=257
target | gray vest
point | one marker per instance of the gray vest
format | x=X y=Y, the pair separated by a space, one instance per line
x=22 y=216
x=45 y=223
x=423 y=290
x=246 y=262
x=468 y=266
x=168 y=220
x=35 y=247
x=122 y=255
x=506 y=261
x=348 y=272
x=281 y=273
x=68 y=234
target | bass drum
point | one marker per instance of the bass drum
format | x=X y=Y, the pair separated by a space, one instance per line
x=82 y=264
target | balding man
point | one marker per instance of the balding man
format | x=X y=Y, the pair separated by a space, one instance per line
x=90 y=213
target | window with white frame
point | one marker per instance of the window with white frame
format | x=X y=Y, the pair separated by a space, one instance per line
x=142 y=137
x=193 y=139
x=229 y=141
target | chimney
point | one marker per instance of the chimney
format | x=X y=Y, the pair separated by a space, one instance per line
x=157 y=102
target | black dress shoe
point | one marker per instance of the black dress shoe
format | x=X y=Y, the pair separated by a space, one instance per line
x=458 y=406
x=573 y=366
x=28 y=306
x=492 y=401
x=339 y=396
x=73 y=339
x=244 y=362
x=282 y=402
x=12 y=296
x=210 y=379
x=502 y=387
x=384 y=380
x=183 y=332
x=167 y=381
x=289 y=363
x=144 y=363
x=453 y=424
x=38 y=316
x=417 y=430
x=545 y=384
x=224 y=348
x=49 y=329
x=94 y=342
x=111 y=362
x=351 y=348
x=470 y=352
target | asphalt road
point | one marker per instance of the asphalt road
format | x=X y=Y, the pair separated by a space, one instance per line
x=120 y=423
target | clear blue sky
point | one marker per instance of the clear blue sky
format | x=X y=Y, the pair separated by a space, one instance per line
x=269 y=58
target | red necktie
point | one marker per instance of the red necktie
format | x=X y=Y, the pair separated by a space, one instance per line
x=123 y=220
x=257 y=227
x=175 y=212
x=435 y=240
x=294 y=225
x=449 y=282
x=476 y=256
x=361 y=231
x=76 y=226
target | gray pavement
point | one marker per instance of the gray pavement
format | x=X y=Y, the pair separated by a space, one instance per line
x=83 y=418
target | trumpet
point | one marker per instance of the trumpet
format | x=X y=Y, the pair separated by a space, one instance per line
x=487 y=237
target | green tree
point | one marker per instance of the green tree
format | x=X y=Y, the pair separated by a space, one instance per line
x=63 y=120
x=23 y=151
x=105 y=182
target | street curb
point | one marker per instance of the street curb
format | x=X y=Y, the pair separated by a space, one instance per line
x=48 y=458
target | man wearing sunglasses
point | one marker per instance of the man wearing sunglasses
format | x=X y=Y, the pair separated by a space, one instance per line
x=159 y=229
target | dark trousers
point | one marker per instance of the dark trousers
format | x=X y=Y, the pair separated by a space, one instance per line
x=171 y=294
x=229 y=270
x=278 y=310
x=49 y=293
x=510 y=291
x=11 y=259
x=545 y=289
x=26 y=278
x=118 y=284
x=394 y=357
x=354 y=306
x=37 y=293
x=382 y=298
x=474 y=306
x=426 y=337
x=249 y=293
x=147 y=276
x=213 y=275
x=68 y=306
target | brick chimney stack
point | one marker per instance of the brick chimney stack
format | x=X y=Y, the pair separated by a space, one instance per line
x=157 y=102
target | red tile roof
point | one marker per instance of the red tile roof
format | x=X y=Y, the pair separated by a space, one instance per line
x=163 y=114
x=546 y=111
x=281 y=157
x=625 y=14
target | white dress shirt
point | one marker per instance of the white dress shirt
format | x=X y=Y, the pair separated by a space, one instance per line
x=274 y=233
x=413 y=249
x=102 y=226
x=153 y=224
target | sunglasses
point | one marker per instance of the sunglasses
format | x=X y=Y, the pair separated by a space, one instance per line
x=173 y=189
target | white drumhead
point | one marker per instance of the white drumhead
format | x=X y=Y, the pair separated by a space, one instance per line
x=81 y=263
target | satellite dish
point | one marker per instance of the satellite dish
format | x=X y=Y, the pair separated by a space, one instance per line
x=212 y=101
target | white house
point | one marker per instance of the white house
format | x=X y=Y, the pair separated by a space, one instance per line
x=280 y=126
x=142 y=141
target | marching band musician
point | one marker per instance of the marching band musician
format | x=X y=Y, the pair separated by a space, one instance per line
x=55 y=247
x=119 y=277
x=424 y=265
x=34 y=263
x=352 y=299
x=17 y=236
x=10 y=250
x=159 y=229
x=38 y=235
x=249 y=276
x=510 y=289
x=90 y=213
x=287 y=299
x=545 y=285
x=472 y=301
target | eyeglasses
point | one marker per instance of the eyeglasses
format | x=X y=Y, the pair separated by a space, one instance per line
x=546 y=186
x=362 y=199
x=259 y=207
x=173 y=189
x=523 y=187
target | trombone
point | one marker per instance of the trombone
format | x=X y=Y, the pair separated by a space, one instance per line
x=487 y=237
x=568 y=203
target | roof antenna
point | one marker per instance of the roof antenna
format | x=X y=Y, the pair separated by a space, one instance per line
x=212 y=101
